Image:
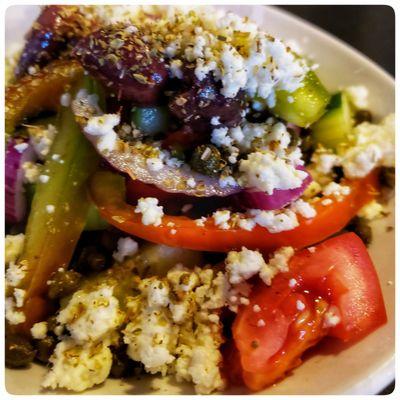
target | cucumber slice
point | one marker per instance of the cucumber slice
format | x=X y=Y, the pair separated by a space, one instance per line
x=150 y=120
x=94 y=222
x=305 y=105
x=335 y=126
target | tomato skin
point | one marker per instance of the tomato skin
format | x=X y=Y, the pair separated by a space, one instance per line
x=108 y=190
x=342 y=271
x=337 y=274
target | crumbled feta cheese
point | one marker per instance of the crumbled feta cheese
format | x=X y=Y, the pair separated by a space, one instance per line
x=31 y=171
x=275 y=221
x=151 y=212
x=265 y=172
x=102 y=130
x=312 y=249
x=226 y=181
x=39 y=330
x=78 y=367
x=279 y=262
x=372 y=210
x=19 y=296
x=21 y=147
x=126 y=247
x=215 y=121
x=42 y=138
x=65 y=99
x=247 y=224
x=13 y=245
x=242 y=265
x=219 y=137
x=201 y=221
x=337 y=190
x=175 y=69
x=50 y=209
x=154 y=164
x=91 y=316
x=325 y=161
x=373 y=147
x=358 y=96
x=191 y=183
x=15 y=273
x=12 y=316
x=261 y=323
x=221 y=218
x=303 y=208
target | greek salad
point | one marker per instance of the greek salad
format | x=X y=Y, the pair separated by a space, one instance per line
x=184 y=198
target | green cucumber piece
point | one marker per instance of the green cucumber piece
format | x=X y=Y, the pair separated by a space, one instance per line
x=334 y=127
x=150 y=120
x=305 y=105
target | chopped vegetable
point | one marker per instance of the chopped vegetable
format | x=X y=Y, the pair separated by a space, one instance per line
x=108 y=193
x=58 y=213
x=42 y=91
x=15 y=200
x=305 y=105
x=334 y=127
x=332 y=290
x=250 y=198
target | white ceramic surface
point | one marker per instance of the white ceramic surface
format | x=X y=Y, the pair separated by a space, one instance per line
x=364 y=368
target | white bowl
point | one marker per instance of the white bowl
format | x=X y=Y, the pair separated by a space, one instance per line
x=364 y=368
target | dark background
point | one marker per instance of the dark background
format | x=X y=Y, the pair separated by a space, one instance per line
x=370 y=29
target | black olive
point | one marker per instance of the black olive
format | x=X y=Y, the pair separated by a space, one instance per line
x=387 y=177
x=122 y=365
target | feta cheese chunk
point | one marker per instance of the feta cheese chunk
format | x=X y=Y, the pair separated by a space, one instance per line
x=242 y=265
x=78 y=367
x=151 y=212
x=102 y=129
x=126 y=247
x=279 y=262
x=265 y=172
x=13 y=245
x=39 y=330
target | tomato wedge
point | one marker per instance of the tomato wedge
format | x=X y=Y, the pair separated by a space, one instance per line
x=108 y=193
x=336 y=279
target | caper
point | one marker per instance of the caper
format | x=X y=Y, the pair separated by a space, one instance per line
x=63 y=282
x=18 y=351
x=362 y=116
x=388 y=177
x=360 y=226
x=45 y=348
x=91 y=259
x=207 y=160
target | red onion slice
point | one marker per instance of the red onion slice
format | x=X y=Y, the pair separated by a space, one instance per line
x=133 y=160
x=252 y=198
x=15 y=200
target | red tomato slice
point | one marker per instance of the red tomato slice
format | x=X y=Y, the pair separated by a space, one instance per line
x=108 y=193
x=336 y=274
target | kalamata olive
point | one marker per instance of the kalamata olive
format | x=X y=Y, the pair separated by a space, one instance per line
x=123 y=63
x=56 y=28
x=45 y=348
x=63 y=282
x=19 y=351
x=202 y=101
x=185 y=138
x=387 y=177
